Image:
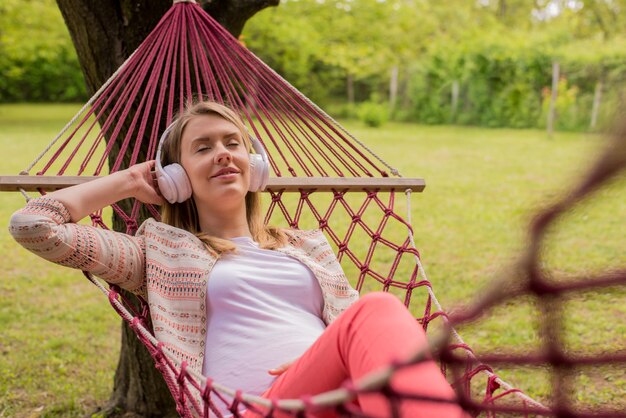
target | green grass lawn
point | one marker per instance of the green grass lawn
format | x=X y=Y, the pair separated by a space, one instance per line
x=59 y=339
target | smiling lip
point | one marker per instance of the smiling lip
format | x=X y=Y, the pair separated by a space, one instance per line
x=225 y=172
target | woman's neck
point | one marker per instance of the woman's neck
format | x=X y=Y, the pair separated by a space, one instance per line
x=225 y=224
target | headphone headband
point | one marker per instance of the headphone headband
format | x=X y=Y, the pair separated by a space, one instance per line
x=164 y=136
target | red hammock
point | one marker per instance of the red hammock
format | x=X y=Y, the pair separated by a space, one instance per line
x=188 y=55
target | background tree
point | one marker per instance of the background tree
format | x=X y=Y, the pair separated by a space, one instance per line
x=104 y=35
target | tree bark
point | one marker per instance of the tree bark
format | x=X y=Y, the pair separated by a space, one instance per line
x=502 y=9
x=104 y=34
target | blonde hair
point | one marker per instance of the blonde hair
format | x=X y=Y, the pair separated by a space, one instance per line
x=185 y=215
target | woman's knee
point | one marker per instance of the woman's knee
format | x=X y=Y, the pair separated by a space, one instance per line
x=381 y=300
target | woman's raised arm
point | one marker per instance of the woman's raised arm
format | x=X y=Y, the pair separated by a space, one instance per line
x=46 y=227
x=138 y=181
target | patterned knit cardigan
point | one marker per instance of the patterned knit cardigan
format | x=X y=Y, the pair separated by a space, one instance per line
x=168 y=266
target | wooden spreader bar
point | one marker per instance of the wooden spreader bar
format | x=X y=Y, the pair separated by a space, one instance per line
x=275 y=184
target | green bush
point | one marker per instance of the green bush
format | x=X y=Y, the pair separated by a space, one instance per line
x=340 y=109
x=37 y=58
x=373 y=114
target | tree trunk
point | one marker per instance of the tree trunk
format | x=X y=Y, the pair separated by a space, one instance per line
x=502 y=9
x=104 y=34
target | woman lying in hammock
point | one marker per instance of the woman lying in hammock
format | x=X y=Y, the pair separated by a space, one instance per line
x=235 y=299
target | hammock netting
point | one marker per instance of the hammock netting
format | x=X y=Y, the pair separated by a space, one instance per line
x=188 y=55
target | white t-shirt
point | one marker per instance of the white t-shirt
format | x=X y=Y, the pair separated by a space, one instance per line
x=264 y=309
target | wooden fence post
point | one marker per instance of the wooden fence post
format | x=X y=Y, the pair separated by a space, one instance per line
x=455 y=99
x=350 y=89
x=553 y=97
x=597 y=99
x=393 y=87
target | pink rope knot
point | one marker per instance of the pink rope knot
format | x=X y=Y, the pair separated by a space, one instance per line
x=131 y=225
x=342 y=247
x=397 y=363
x=158 y=355
x=323 y=223
x=206 y=396
x=273 y=407
x=492 y=386
x=183 y=374
x=555 y=357
x=364 y=268
x=96 y=219
x=134 y=323
x=478 y=369
x=356 y=218
x=462 y=346
x=375 y=237
x=540 y=288
x=238 y=397
x=208 y=387
x=180 y=379
x=114 y=291
x=236 y=401
x=307 y=400
x=349 y=386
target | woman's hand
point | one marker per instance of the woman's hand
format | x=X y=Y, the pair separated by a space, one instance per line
x=138 y=181
x=281 y=369
x=145 y=185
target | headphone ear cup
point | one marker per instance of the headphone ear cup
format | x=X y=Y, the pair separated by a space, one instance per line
x=259 y=172
x=255 y=160
x=166 y=187
x=174 y=183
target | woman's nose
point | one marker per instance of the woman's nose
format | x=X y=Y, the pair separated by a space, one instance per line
x=223 y=156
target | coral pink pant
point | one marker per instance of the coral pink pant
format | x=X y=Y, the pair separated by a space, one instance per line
x=369 y=335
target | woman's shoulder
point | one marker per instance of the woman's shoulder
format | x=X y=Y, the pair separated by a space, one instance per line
x=302 y=233
x=166 y=234
x=305 y=237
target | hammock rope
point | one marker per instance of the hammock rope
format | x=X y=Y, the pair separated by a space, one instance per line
x=189 y=55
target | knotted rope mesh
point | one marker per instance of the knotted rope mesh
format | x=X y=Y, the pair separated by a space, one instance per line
x=188 y=55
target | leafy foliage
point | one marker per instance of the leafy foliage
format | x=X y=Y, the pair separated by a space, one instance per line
x=37 y=59
x=485 y=62
x=373 y=114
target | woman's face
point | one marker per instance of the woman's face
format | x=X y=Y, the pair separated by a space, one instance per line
x=215 y=157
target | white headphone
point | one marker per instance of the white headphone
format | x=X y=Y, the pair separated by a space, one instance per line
x=174 y=184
